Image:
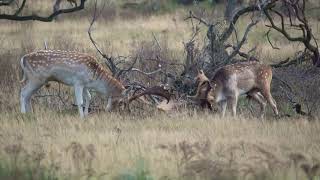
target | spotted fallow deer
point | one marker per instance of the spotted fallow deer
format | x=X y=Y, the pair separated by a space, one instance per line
x=75 y=69
x=246 y=78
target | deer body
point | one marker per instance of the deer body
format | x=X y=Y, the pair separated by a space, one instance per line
x=81 y=71
x=247 y=78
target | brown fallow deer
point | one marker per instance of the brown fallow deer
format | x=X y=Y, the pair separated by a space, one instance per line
x=81 y=71
x=249 y=78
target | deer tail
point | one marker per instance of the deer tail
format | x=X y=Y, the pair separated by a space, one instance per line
x=22 y=64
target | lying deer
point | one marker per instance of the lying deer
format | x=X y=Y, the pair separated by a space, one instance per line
x=246 y=78
x=79 y=70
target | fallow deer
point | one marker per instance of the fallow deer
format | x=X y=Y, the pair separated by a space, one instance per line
x=246 y=78
x=81 y=71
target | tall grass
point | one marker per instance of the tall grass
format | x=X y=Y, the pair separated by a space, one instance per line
x=180 y=146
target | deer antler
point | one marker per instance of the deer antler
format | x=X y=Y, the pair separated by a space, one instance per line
x=155 y=90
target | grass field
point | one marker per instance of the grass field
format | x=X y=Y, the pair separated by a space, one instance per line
x=49 y=144
x=186 y=144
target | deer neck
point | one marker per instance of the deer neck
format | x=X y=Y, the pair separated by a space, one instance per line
x=216 y=92
x=107 y=85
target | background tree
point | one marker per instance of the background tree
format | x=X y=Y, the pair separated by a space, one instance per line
x=18 y=16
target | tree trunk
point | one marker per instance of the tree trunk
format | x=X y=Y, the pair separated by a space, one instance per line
x=231 y=6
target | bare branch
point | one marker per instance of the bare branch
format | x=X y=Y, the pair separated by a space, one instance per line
x=146 y=73
x=36 y=17
x=111 y=65
x=20 y=8
x=239 y=45
x=122 y=71
x=268 y=38
x=307 y=35
x=154 y=37
x=281 y=29
x=302 y=57
x=192 y=16
x=226 y=34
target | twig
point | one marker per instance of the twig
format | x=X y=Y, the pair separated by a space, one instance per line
x=239 y=45
x=111 y=65
x=192 y=16
x=154 y=37
x=146 y=73
x=268 y=38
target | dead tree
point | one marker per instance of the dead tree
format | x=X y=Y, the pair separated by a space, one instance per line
x=17 y=14
x=121 y=67
x=215 y=55
x=300 y=23
x=230 y=7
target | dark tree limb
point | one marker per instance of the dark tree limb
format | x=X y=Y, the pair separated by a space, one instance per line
x=20 y=8
x=239 y=45
x=192 y=16
x=307 y=36
x=268 y=38
x=35 y=17
x=300 y=58
x=226 y=34
x=109 y=61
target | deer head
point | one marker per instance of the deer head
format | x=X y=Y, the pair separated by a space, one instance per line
x=79 y=70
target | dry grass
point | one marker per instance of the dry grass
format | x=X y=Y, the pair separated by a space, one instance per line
x=177 y=146
x=111 y=143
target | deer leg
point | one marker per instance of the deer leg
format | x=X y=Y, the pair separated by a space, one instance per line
x=209 y=105
x=205 y=104
x=79 y=99
x=233 y=102
x=271 y=101
x=25 y=95
x=223 y=107
x=109 y=104
x=260 y=99
x=87 y=97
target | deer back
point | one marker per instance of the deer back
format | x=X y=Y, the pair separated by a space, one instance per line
x=66 y=67
x=241 y=78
